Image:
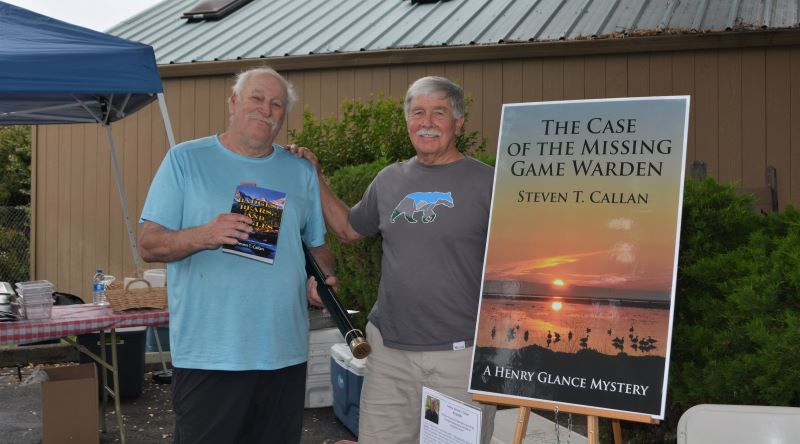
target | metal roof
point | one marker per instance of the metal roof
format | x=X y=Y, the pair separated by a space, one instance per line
x=274 y=28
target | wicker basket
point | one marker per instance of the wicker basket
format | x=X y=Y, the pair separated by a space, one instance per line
x=121 y=299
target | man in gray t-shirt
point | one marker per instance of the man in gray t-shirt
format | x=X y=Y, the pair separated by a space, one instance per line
x=432 y=212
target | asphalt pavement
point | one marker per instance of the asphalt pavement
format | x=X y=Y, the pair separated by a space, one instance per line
x=148 y=418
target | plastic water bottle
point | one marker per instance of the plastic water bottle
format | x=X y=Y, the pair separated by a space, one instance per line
x=99 y=288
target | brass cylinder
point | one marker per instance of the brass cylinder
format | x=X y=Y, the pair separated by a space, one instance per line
x=360 y=348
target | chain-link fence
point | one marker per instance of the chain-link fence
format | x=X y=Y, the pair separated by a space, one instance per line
x=15 y=229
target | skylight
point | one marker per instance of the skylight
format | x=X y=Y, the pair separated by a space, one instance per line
x=212 y=9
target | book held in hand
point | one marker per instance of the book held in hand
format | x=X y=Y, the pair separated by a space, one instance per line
x=265 y=208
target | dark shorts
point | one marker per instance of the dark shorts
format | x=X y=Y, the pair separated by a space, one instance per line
x=256 y=406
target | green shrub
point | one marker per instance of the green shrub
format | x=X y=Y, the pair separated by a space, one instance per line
x=365 y=133
x=15 y=165
x=358 y=265
x=737 y=315
x=14 y=244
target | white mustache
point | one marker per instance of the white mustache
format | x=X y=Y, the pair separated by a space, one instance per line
x=428 y=133
x=256 y=116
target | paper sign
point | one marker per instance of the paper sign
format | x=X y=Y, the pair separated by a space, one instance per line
x=446 y=420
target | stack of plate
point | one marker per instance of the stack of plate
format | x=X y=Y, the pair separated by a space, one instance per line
x=36 y=298
x=9 y=307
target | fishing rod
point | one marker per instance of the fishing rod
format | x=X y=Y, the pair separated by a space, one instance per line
x=352 y=336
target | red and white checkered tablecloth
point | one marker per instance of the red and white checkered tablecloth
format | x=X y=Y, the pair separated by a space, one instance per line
x=67 y=320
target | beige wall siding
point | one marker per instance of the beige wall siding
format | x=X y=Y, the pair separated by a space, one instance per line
x=745 y=115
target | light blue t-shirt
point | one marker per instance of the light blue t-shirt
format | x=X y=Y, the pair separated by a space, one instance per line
x=229 y=312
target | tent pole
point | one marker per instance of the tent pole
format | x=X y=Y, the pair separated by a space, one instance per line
x=162 y=105
x=118 y=176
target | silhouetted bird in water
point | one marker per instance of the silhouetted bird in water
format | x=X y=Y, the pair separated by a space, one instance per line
x=588 y=329
x=494 y=331
x=512 y=333
x=569 y=335
x=558 y=337
x=584 y=341
x=526 y=335
x=647 y=344
x=609 y=332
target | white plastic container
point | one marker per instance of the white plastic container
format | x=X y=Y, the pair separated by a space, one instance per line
x=156 y=276
x=36 y=299
x=318 y=338
x=319 y=350
x=35 y=292
x=43 y=310
x=132 y=284
x=319 y=362
x=319 y=392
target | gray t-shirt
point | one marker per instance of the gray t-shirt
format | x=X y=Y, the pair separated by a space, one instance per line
x=433 y=220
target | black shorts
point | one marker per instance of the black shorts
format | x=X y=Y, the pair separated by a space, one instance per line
x=254 y=406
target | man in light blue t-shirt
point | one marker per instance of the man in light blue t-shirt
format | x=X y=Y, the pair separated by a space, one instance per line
x=238 y=322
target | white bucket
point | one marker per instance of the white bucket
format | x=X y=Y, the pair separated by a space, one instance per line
x=156 y=276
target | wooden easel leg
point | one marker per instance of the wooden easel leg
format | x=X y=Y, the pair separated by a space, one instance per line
x=592 y=428
x=617 y=428
x=522 y=425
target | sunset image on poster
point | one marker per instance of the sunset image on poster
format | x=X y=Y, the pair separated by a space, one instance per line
x=580 y=267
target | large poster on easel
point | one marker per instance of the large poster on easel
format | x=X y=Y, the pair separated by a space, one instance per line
x=579 y=277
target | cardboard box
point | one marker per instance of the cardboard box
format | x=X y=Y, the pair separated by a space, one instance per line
x=70 y=411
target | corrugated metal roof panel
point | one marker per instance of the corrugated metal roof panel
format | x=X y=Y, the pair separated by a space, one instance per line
x=786 y=13
x=657 y=15
x=422 y=30
x=457 y=22
x=270 y=28
x=536 y=22
x=517 y=15
x=595 y=19
x=750 y=13
x=562 y=23
x=344 y=20
x=620 y=18
x=350 y=35
x=718 y=15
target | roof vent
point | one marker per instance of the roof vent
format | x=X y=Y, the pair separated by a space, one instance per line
x=212 y=9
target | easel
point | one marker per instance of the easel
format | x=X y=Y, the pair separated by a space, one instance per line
x=592 y=416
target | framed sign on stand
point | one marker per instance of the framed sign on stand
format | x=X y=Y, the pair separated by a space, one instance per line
x=578 y=289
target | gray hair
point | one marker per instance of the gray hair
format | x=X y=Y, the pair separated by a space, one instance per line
x=434 y=85
x=242 y=78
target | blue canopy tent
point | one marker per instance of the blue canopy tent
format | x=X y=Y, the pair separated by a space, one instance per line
x=53 y=72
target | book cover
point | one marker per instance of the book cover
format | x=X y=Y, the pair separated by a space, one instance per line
x=265 y=208
x=580 y=272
